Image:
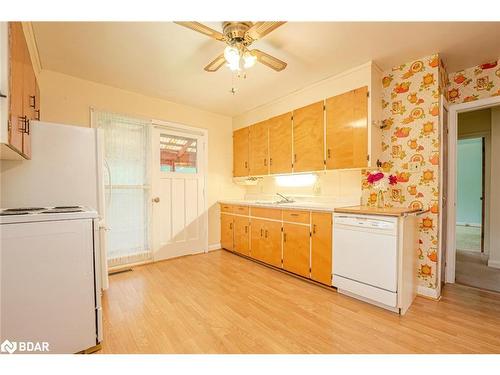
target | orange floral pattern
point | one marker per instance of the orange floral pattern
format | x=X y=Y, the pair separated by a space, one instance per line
x=410 y=144
x=478 y=82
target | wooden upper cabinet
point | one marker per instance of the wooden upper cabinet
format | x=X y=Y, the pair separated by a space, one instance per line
x=347 y=130
x=240 y=152
x=29 y=101
x=259 y=150
x=296 y=240
x=17 y=45
x=280 y=143
x=226 y=231
x=321 y=247
x=242 y=235
x=308 y=138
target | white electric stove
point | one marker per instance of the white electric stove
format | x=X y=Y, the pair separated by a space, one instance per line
x=50 y=278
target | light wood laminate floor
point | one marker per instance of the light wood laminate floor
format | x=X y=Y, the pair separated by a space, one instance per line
x=222 y=303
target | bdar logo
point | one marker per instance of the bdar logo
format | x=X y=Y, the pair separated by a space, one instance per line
x=8 y=347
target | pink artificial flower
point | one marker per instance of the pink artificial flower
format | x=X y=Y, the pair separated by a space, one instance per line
x=374 y=177
x=393 y=180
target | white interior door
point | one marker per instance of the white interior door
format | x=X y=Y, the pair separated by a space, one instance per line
x=180 y=222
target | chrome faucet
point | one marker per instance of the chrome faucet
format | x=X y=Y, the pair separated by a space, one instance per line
x=285 y=199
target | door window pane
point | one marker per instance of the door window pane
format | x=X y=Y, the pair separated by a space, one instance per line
x=178 y=154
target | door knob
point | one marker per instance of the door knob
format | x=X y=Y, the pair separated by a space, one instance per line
x=156 y=199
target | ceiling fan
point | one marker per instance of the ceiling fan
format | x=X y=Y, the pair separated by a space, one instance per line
x=239 y=36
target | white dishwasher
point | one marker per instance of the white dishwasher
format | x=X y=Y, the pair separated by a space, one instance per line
x=365 y=257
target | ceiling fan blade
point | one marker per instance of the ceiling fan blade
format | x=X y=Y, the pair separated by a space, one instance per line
x=269 y=60
x=216 y=64
x=199 y=27
x=261 y=29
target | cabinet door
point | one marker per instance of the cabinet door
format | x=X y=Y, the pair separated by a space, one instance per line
x=296 y=248
x=240 y=152
x=16 y=52
x=308 y=138
x=242 y=235
x=280 y=143
x=257 y=240
x=272 y=243
x=347 y=130
x=29 y=100
x=321 y=247
x=226 y=231
x=259 y=155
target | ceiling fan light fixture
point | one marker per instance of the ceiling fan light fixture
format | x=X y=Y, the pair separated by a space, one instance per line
x=232 y=55
x=249 y=60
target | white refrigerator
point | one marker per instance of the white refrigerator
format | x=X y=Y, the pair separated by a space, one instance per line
x=66 y=168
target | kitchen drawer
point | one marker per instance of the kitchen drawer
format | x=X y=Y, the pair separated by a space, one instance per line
x=240 y=210
x=228 y=208
x=296 y=216
x=268 y=213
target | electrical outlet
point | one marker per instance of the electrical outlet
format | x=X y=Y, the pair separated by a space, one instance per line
x=414 y=166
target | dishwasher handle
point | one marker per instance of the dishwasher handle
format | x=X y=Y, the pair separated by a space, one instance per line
x=360 y=222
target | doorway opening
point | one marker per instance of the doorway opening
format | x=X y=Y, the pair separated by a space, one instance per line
x=476 y=165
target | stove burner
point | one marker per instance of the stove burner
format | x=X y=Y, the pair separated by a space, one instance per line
x=10 y=213
x=27 y=209
x=65 y=207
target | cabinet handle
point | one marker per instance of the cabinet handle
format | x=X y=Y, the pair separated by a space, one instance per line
x=294 y=214
x=270 y=161
x=295 y=158
x=284 y=237
x=32 y=101
x=261 y=232
x=24 y=120
x=2 y=95
x=314 y=228
x=246 y=229
x=37 y=116
x=230 y=225
x=328 y=153
x=246 y=164
x=266 y=233
x=265 y=162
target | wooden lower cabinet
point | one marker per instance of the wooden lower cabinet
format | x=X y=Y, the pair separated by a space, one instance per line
x=321 y=247
x=266 y=241
x=226 y=231
x=298 y=241
x=296 y=248
x=241 y=237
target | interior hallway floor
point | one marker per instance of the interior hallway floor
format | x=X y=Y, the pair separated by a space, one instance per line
x=472 y=269
x=222 y=303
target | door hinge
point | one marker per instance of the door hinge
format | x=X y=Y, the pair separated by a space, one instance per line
x=324 y=107
x=310 y=234
x=324 y=162
x=368 y=157
x=292 y=117
x=310 y=270
x=368 y=94
x=282 y=229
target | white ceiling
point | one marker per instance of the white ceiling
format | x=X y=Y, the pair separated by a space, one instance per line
x=165 y=60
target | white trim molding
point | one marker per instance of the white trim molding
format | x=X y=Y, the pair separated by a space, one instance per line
x=494 y=264
x=454 y=110
x=214 y=246
x=428 y=292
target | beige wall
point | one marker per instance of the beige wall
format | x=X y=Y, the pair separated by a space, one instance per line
x=66 y=99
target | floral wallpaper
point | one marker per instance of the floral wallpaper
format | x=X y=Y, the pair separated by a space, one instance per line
x=410 y=144
x=474 y=83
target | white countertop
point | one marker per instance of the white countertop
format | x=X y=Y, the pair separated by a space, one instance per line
x=299 y=205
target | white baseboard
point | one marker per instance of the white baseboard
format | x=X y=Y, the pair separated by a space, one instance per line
x=215 y=246
x=494 y=263
x=428 y=292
